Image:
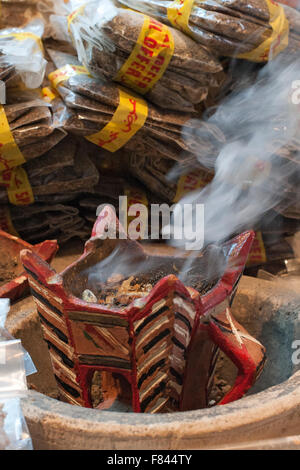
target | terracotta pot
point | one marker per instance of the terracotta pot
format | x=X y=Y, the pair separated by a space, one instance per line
x=159 y=352
x=264 y=419
x=10 y=247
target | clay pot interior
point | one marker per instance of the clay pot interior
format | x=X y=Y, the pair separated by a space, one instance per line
x=123 y=258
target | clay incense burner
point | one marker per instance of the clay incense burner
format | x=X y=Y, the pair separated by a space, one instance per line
x=157 y=352
x=13 y=279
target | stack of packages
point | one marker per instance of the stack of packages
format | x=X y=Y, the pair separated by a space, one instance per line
x=41 y=169
x=133 y=94
x=16 y=13
x=255 y=31
x=241 y=29
x=102 y=92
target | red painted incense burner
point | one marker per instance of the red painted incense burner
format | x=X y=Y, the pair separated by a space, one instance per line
x=10 y=263
x=156 y=354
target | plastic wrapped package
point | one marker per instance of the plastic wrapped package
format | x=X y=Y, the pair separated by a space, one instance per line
x=29 y=129
x=255 y=30
x=22 y=55
x=15 y=365
x=289 y=208
x=92 y=107
x=241 y=75
x=108 y=191
x=168 y=182
x=115 y=43
x=16 y=13
x=151 y=180
x=32 y=127
x=38 y=222
x=293 y=17
x=55 y=15
x=65 y=166
x=272 y=250
x=287 y=180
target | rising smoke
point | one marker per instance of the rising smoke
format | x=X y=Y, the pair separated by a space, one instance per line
x=258 y=168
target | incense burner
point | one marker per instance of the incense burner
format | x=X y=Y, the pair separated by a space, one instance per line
x=10 y=248
x=156 y=354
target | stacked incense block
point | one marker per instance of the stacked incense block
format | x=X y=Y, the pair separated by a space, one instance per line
x=41 y=169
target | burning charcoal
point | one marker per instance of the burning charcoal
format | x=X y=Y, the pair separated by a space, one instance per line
x=88 y=296
x=114 y=278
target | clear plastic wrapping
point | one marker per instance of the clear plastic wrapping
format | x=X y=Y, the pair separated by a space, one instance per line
x=33 y=127
x=228 y=27
x=293 y=17
x=106 y=36
x=92 y=103
x=15 y=365
x=167 y=181
x=55 y=15
x=66 y=165
x=42 y=221
x=17 y=13
x=22 y=55
x=48 y=221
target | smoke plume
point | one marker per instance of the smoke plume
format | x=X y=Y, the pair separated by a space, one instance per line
x=258 y=167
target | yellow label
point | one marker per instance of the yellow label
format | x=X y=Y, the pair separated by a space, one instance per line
x=18 y=188
x=74 y=15
x=49 y=94
x=24 y=36
x=149 y=58
x=194 y=180
x=10 y=154
x=258 y=252
x=6 y=222
x=278 y=40
x=179 y=14
x=66 y=72
x=129 y=117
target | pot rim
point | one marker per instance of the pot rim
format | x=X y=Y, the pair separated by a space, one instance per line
x=258 y=407
x=273 y=410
